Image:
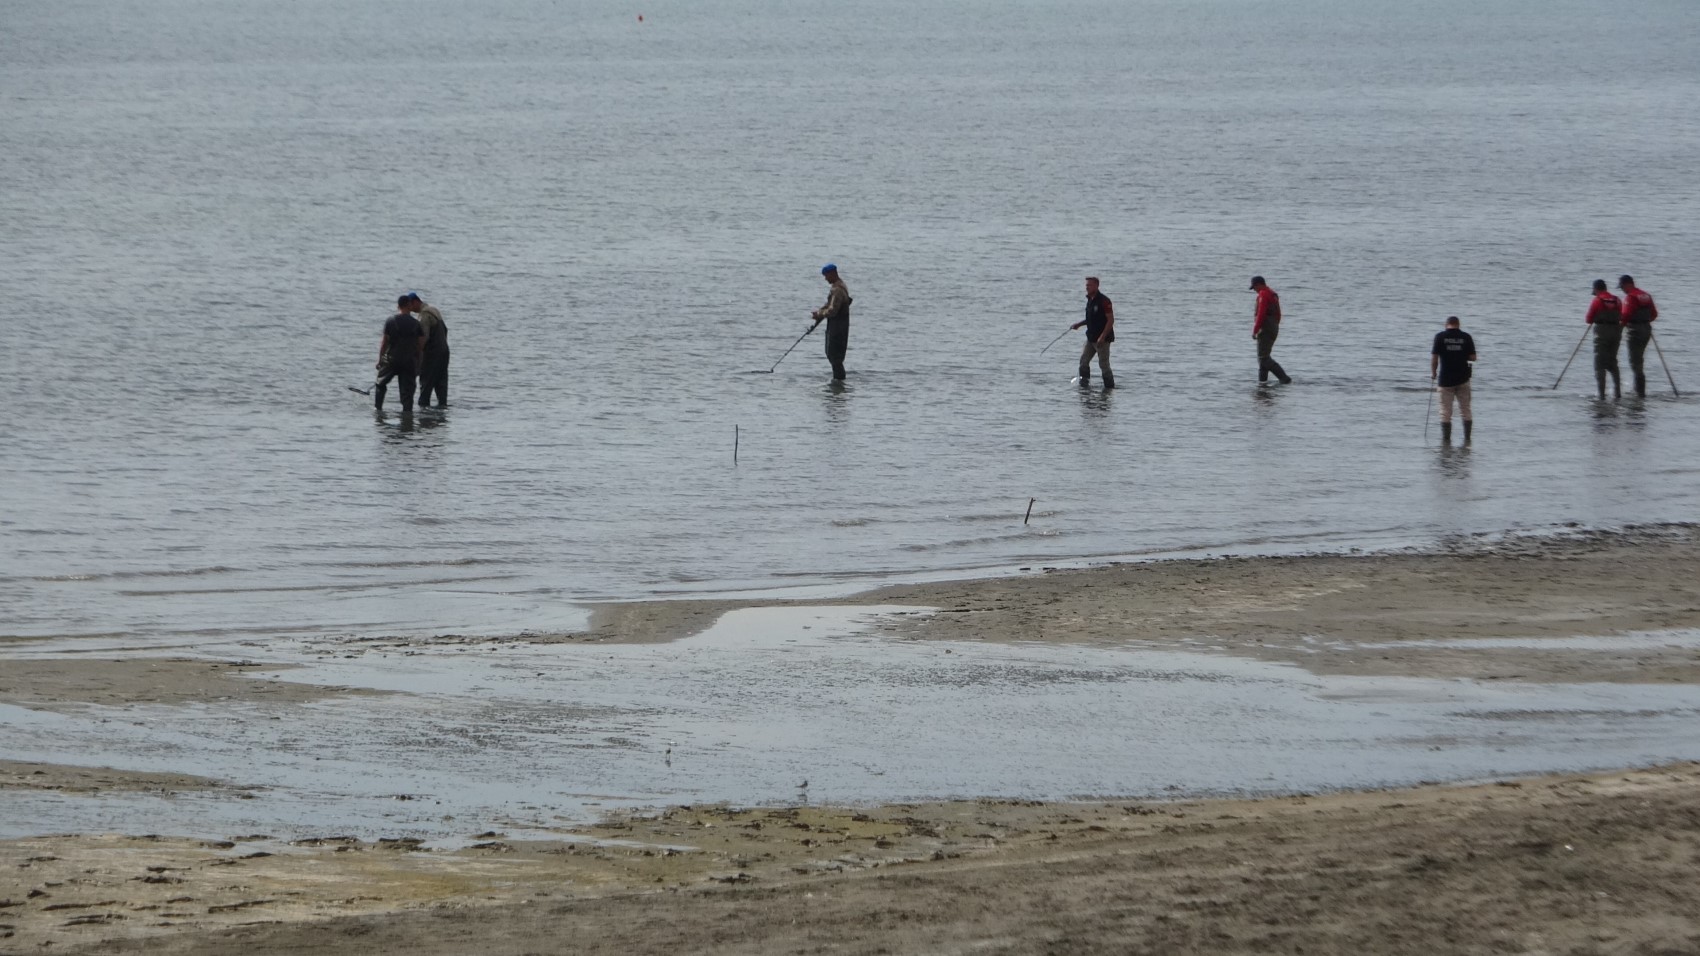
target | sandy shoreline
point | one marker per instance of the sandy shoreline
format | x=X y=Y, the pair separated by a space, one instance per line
x=1598 y=863
x=1371 y=613
x=1576 y=863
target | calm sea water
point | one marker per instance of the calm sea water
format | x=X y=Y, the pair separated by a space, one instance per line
x=206 y=209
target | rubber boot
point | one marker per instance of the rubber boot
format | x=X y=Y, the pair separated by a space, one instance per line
x=838 y=371
x=1467 y=431
x=1616 y=384
x=1109 y=381
x=1600 y=378
x=1446 y=433
x=1085 y=375
x=1640 y=385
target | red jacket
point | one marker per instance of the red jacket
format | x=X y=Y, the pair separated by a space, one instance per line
x=1268 y=309
x=1638 y=307
x=1605 y=308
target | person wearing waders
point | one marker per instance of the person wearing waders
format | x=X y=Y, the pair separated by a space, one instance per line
x=1451 y=356
x=1100 y=325
x=836 y=314
x=1605 y=314
x=1638 y=315
x=1265 y=326
x=434 y=366
x=400 y=353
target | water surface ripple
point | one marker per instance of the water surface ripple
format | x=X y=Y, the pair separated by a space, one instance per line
x=207 y=207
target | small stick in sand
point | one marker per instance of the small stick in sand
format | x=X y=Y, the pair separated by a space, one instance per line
x=1029 y=510
x=734 y=444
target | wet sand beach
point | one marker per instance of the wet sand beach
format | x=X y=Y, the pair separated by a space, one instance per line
x=1370 y=614
x=1575 y=862
x=1599 y=863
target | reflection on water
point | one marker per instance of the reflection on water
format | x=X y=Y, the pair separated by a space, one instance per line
x=393 y=426
x=1626 y=413
x=837 y=395
x=1453 y=461
x=1094 y=402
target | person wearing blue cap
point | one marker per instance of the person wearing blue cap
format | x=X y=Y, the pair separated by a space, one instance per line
x=836 y=314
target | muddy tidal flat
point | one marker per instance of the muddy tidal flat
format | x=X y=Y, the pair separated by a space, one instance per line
x=1485 y=749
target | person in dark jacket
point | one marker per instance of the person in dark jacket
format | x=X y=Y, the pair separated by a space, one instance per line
x=1449 y=367
x=1100 y=325
x=434 y=367
x=836 y=314
x=1638 y=315
x=1605 y=314
x=400 y=353
x=1265 y=326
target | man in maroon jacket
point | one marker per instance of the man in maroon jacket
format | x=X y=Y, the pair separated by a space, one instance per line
x=1605 y=314
x=1638 y=315
x=1266 y=326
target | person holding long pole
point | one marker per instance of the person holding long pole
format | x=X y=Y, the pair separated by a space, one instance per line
x=1639 y=312
x=836 y=314
x=1100 y=325
x=1605 y=314
x=1449 y=365
x=401 y=350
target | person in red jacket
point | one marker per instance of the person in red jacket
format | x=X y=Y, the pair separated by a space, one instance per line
x=1605 y=314
x=1264 y=328
x=1638 y=315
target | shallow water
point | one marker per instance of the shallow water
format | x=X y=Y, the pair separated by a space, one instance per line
x=208 y=206
x=787 y=705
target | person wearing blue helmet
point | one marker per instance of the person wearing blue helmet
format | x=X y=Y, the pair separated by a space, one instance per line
x=836 y=314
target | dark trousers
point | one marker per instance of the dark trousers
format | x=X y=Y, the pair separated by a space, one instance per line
x=405 y=377
x=1102 y=351
x=1607 y=338
x=434 y=377
x=1640 y=333
x=837 y=344
x=1265 y=362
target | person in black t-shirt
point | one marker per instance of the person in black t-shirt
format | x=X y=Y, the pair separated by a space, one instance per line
x=400 y=354
x=1449 y=366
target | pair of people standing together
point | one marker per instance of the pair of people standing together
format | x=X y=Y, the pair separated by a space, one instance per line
x=1610 y=316
x=1100 y=323
x=414 y=350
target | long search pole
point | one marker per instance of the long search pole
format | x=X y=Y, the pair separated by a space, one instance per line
x=1578 y=348
x=1429 y=409
x=799 y=341
x=1056 y=340
x=1663 y=362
